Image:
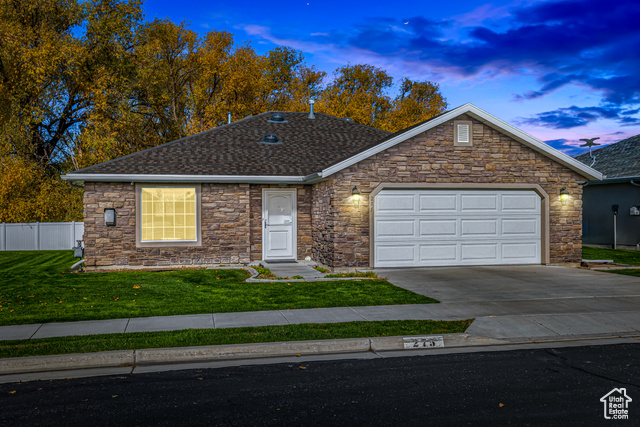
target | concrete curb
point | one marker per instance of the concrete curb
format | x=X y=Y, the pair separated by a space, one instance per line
x=157 y=356
x=103 y=359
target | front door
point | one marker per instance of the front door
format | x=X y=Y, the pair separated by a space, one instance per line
x=278 y=224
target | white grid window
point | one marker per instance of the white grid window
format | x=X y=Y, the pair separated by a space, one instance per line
x=168 y=214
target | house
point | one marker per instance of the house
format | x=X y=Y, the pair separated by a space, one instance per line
x=620 y=163
x=463 y=188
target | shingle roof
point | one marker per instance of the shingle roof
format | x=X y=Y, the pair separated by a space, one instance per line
x=618 y=160
x=308 y=146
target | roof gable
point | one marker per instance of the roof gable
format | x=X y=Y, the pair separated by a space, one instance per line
x=480 y=115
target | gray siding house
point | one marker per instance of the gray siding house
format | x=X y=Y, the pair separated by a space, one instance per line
x=618 y=192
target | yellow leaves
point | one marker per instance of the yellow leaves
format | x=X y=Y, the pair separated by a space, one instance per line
x=500 y=405
x=302 y=367
x=12 y=392
x=136 y=287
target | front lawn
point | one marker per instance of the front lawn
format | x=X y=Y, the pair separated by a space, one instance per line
x=619 y=256
x=198 y=337
x=36 y=286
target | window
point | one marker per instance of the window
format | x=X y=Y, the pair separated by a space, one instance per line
x=168 y=215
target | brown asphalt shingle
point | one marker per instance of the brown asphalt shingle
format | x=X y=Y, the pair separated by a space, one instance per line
x=618 y=160
x=308 y=146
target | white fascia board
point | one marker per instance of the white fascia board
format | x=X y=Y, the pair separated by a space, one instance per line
x=245 y=179
x=481 y=115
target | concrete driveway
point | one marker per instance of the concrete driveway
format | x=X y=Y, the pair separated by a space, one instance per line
x=511 y=302
x=508 y=283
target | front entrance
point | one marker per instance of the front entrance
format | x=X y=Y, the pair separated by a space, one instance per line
x=279 y=224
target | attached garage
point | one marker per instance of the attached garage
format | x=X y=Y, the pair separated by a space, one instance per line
x=448 y=227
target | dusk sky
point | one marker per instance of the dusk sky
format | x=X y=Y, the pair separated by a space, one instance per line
x=560 y=70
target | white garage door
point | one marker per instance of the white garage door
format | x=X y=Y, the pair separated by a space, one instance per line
x=456 y=227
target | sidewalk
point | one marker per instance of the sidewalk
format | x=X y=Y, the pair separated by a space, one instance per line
x=526 y=319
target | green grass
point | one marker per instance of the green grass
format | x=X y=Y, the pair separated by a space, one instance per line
x=369 y=274
x=619 y=256
x=321 y=269
x=36 y=286
x=198 y=337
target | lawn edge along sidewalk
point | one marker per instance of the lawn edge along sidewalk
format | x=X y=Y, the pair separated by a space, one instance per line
x=156 y=356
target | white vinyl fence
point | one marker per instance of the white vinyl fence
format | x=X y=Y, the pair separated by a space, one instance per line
x=44 y=236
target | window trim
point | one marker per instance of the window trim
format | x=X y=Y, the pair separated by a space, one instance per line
x=458 y=143
x=168 y=243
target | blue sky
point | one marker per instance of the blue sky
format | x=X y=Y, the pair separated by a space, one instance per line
x=560 y=70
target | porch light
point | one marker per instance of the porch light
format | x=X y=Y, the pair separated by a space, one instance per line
x=564 y=196
x=110 y=217
x=355 y=195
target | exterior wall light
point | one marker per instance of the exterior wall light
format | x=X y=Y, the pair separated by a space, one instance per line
x=564 y=196
x=110 y=217
x=355 y=195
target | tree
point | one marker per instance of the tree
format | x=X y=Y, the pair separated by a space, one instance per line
x=86 y=81
x=358 y=92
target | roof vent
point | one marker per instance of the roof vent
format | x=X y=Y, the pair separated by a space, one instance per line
x=348 y=119
x=270 y=139
x=277 y=118
x=311 y=115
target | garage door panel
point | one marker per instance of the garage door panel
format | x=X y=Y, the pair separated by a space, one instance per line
x=392 y=203
x=438 y=252
x=475 y=227
x=476 y=202
x=479 y=251
x=519 y=251
x=520 y=227
x=438 y=227
x=397 y=253
x=395 y=228
x=456 y=227
x=520 y=203
x=438 y=203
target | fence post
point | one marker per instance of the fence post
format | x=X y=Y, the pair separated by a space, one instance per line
x=4 y=237
x=73 y=234
x=37 y=235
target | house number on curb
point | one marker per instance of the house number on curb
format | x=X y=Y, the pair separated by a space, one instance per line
x=423 y=342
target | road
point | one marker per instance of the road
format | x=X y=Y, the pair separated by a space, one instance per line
x=523 y=387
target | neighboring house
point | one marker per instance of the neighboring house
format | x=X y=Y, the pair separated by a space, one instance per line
x=463 y=188
x=620 y=163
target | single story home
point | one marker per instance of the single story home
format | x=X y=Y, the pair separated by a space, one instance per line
x=463 y=188
x=611 y=207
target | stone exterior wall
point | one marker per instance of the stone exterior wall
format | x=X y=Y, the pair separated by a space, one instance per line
x=303 y=217
x=341 y=232
x=225 y=228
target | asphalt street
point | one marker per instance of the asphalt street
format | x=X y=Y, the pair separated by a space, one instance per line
x=523 y=387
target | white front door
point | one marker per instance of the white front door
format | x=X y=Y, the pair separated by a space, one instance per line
x=278 y=224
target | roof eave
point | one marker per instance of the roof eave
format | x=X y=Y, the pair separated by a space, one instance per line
x=244 y=179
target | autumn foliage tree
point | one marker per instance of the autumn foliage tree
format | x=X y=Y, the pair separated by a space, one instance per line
x=85 y=81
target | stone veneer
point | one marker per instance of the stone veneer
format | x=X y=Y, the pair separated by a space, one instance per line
x=341 y=231
x=330 y=229
x=225 y=228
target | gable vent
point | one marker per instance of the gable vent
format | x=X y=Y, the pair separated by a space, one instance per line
x=463 y=133
x=270 y=139
x=277 y=118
